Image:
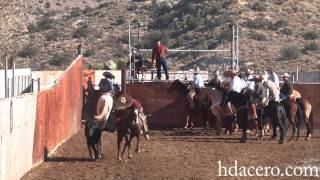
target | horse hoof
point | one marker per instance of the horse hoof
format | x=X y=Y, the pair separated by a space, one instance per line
x=119 y=159
x=281 y=142
x=130 y=156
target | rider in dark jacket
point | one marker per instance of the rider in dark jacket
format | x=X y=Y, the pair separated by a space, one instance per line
x=257 y=96
x=287 y=88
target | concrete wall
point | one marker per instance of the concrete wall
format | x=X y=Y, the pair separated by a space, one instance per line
x=17 y=125
x=33 y=125
x=21 y=82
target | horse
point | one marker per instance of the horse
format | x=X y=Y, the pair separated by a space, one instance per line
x=208 y=100
x=297 y=110
x=240 y=102
x=276 y=112
x=132 y=124
x=93 y=137
x=305 y=113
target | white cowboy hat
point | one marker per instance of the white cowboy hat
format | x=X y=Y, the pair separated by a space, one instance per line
x=286 y=75
x=249 y=71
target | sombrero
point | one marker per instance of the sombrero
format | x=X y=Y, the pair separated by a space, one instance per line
x=229 y=73
x=249 y=71
x=108 y=75
x=123 y=102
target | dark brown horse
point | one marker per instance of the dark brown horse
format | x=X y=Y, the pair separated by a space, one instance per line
x=208 y=100
x=132 y=124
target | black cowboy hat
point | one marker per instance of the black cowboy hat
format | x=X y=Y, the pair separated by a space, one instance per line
x=123 y=102
x=108 y=75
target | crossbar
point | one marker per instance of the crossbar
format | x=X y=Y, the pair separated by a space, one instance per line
x=189 y=50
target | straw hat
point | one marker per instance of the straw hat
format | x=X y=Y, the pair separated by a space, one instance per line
x=286 y=75
x=123 y=102
x=258 y=78
x=108 y=75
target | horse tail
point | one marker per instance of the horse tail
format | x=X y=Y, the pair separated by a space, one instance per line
x=300 y=111
x=311 y=121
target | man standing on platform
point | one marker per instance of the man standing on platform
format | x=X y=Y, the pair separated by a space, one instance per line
x=159 y=54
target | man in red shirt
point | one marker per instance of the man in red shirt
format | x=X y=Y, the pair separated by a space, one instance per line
x=159 y=54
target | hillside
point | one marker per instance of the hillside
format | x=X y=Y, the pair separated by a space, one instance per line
x=282 y=34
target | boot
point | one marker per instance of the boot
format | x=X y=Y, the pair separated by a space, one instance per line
x=253 y=111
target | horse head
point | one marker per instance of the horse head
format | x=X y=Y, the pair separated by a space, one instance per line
x=179 y=86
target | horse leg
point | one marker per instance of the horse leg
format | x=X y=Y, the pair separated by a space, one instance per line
x=119 y=144
x=274 y=128
x=129 y=146
x=99 y=149
x=244 y=128
x=217 y=111
x=187 y=122
x=138 y=144
x=125 y=145
x=282 y=130
x=90 y=151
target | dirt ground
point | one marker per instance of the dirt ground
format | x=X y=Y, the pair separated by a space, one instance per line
x=176 y=154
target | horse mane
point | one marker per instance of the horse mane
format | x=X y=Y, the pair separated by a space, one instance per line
x=178 y=85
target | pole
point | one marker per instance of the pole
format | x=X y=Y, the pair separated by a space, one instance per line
x=232 y=45
x=237 y=50
x=5 y=79
x=13 y=79
x=38 y=84
x=297 y=74
x=124 y=81
x=130 y=50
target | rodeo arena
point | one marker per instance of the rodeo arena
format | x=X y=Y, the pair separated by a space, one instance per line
x=150 y=122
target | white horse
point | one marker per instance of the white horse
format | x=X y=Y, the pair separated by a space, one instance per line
x=104 y=107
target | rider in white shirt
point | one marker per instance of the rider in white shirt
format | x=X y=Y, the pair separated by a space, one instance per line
x=249 y=79
x=274 y=78
x=198 y=81
x=236 y=83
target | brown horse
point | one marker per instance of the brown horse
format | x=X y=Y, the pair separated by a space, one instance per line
x=304 y=112
x=207 y=100
x=299 y=109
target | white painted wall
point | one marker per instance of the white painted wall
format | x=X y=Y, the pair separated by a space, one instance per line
x=21 y=81
x=17 y=124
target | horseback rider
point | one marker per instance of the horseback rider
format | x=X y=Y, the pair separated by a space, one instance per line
x=274 y=77
x=235 y=83
x=256 y=97
x=287 y=88
x=126 y=102
x=106 y=84
x=249 y=79
x=105 y=101
x=274 y=90
x=198 y=82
